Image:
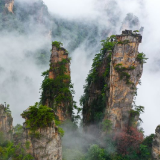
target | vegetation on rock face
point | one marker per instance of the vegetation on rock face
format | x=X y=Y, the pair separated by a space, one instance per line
x=10 y=150
x=128 y=144
x=7 y=110
x=135 y=113
x=57 y=44
x=123 y=42
x=141 y=58
x=96 y=109
x=57 y=92
x=55 y=87
x=123 y=74
x=38 y=116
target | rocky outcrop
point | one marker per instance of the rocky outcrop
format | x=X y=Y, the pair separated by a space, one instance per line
x=6 y=120
x=125 y=73
x=93 y=107
x=44 y=145
x=156 y=145
x=9 y=5
x=111 y=84
x=59 y=63
x=58 y=54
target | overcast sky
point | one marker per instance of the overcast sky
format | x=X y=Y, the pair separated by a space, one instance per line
x=148 y=11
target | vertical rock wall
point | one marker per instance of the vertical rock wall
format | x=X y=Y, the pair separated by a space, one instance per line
x=156 y=145
x=94 y=92
x=57 y=56
x=118 y=72
x=46 y=147
x=122 y=91
x=6 y=121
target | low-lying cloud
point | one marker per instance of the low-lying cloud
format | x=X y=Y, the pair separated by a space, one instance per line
x=20 y=78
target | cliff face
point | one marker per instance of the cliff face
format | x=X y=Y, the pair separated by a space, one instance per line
x=46 y=145
x=109 y=93
x=9 y=5
x=6 y=121
x=125 y=73
x=156 y=145
x=60 y=97
x=57 y=56
x=93 y=108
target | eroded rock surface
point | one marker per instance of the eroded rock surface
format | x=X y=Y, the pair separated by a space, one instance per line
x=57 y=56
x=156 y=145
x=94 y=92
x=122 y=90
x=118 y=75
x=45 y=145
x=6 y=121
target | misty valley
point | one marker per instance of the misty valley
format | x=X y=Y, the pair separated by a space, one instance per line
x=72 y=84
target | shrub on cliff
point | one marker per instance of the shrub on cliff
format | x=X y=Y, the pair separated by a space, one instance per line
x=99 y=82
x=59 y=90
x=141 y=57
x=128 y=140
x=38 y=116
x=57 y=44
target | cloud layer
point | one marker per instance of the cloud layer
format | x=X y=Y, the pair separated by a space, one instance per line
x=21 y=77
x=147 y=11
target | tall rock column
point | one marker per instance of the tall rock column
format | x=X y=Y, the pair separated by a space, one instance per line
x=44 y=139
x=111 y=83
x=6 y=120
x=125 y=73
x=59 y=96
